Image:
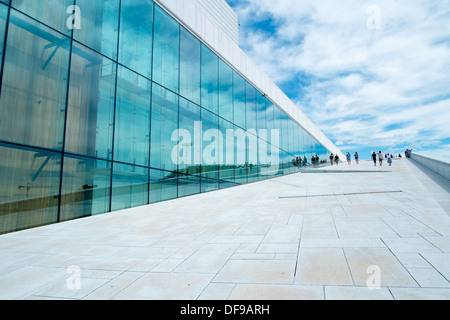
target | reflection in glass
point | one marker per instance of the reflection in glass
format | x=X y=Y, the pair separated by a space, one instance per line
x=132 y=129
x=90 y=113
x=189 y=66
x=3 y=17
x=163 y=185
x=210 y=73
x=226 y=172
x=262 y=104
x=250 y=105
x=136 y=35
x=189 y=150
x=164 y=125
x=129 y=186
x=51 y=12
x=33 y=99
x=270 y=115
x=239 y=100
x=29 y=188
x=212 y=141
x=166 y=50
x=225 y=91
x=99 y=25
x=188 y=185
x=85 y=188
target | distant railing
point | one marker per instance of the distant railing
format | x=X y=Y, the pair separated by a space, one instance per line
x=440 y=166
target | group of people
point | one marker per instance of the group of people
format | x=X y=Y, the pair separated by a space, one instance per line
x=408 y=153
x=334 y=159
x=315 y=161
x=381 y=157
x=299 y=162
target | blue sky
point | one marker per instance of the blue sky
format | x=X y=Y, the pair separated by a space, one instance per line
x=372 y=75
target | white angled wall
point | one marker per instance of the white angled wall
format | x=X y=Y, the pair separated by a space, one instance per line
x=222 y=15
x=212 y=22
x=440 y=166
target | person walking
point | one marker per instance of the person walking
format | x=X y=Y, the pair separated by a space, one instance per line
x=389 y=160
x=332 y=159
x=356 y=157
x=374 y=158
x=380 y=158
x=336 y=159
x=349 y=159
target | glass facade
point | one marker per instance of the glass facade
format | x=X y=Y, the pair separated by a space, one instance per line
x=117 y=105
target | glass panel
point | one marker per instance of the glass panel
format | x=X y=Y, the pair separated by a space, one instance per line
x=269 y=115
x=90 y=113
x=132 y=129
x=227 y=165
x=85 y=188
x=129 y=186
x=261 y=168
x=163 y=185
x=188 y=185
x=240 y=154
x=164 y=125
x=239 y=100
x=189 y=67
x=34 y=85
x=136 y=36
x=212 y=141
x=99 y=25
x=166 y=52
x=29 y=188
x=225 y=91
x=290 y=134
x=250 y=104
x=51 y=12
x=284 y=131
x=210 y=81
x=277 y=120
x=261 y=113
x=3 y=17
x=189 y=150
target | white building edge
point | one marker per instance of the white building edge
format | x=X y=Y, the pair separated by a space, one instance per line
x=216 y=24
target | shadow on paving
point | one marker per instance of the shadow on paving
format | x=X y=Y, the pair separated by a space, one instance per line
x=440 y=180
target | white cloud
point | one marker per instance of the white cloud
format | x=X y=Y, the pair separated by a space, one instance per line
x=361 y=81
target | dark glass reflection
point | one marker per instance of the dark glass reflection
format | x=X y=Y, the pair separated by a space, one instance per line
x=129 y=186
x=29 y=187
x=85 y=187
x=163 y=185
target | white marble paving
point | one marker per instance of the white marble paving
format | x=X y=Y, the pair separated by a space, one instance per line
x=248 y=243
